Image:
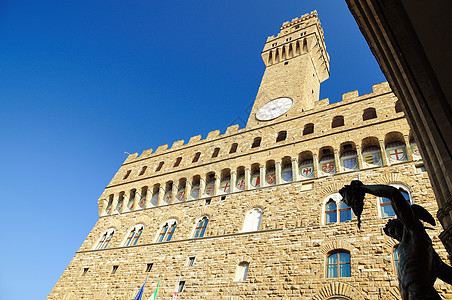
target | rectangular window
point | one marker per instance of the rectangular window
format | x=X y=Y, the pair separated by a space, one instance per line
x=149 y=267
x=196 y=158
x=191 y=261
x=223 y=197
x=208 y=201
x=215 y=152
x=85 y=270
x=113 y=271
x=181 y=286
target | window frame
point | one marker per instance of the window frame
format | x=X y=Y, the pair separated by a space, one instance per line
x=245 y=265
x=338 y=263
x=337 y=199
x=200 y=227
x=133 y=235
x=380 y=205
x=259 y=220
x=102 y=242
x=168 y=234
x=395 y=262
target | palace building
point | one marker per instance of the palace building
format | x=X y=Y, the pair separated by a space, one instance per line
x=255 y=212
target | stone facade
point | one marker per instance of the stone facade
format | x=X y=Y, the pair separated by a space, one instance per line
x=286 y=256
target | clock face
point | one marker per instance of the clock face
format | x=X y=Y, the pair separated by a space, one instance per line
x=274 y=109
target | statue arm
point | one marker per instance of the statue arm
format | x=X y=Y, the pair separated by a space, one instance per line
x=401 y=208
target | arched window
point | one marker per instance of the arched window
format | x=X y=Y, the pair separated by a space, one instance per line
x=372 y=157
x=330 y=212
x=369 y=113
x=105 y=239
x=256 y=142
x=282 y=135
x=415 y=150
x=396 y=152
x=242 y=271
x=349 y=161
x=308 y=129
x=233 y=148
x=109 y=205
x=395 y=259
x=167 y=231
x=200 y=228
x=131 y=203
x=196 y=157
x=398 y=106
x=385 y=204
x=327 y=163
x=338 y=121
x=253 y=220
x=215 y=152
x=338 y=264
x=134 y=235
x=336 y=211
x=345 y=212
x=144 y=194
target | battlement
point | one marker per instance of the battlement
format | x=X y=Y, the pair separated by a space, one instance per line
x=298 y=23
x=321 y=105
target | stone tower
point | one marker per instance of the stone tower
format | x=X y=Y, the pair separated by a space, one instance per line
x=296 y=63
x=255 y=213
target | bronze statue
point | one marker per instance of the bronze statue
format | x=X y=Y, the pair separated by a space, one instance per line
x=419 y=264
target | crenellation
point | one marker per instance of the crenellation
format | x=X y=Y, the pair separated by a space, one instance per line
x=146 y=153
x=161 y=148
x=176 y=145
x=212 y=135
x=194 y=139
x=131 y=157
x=350 y=96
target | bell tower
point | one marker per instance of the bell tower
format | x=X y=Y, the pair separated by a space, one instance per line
x=296 y=63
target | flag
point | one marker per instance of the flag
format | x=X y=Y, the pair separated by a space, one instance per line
x=140 y=292
x=154 y=295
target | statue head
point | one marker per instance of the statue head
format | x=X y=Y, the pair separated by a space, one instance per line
x=394 y=229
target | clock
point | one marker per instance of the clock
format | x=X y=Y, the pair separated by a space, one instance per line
x=274 y=109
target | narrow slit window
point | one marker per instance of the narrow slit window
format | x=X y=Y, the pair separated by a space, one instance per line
x=127 y=174
x=149 y=267
x=181 y=286
x=143 y=170
x=178 y=160
x=159 y=167
x=215 y=152
x=85 y=270
x=196 y=158
x=233 y=148
x=191 y=261
x=113 y=271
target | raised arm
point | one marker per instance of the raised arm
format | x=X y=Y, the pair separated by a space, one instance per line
x=401 y=208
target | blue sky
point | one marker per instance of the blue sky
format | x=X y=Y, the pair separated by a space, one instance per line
x=84 y=81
